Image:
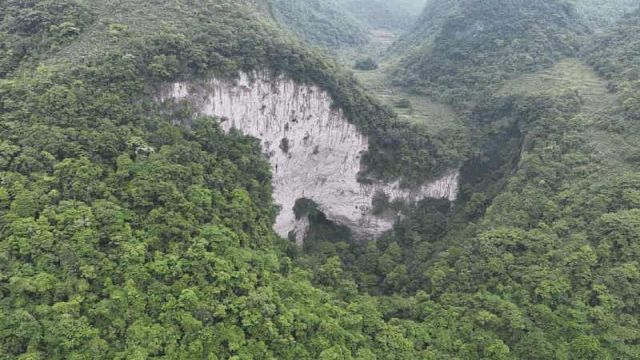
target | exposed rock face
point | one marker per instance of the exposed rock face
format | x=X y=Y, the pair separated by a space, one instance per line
x=314 y=151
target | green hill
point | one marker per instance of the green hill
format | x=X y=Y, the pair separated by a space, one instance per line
x=599 y=15
x=393 y=15
x=616 y=55
x=125 y=234
x=319 y=22
x=462 y=48
x=536 y=259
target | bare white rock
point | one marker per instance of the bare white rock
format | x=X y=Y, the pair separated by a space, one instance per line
x=314 y=151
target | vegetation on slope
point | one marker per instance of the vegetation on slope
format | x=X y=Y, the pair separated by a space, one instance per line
x=542 y=266
x=599 y=14
x=126 y=237
x=474 y=45
x=538 y=257
x=34 y=28
x=123 y=236
x=448 y=131
x=319 y=22
x=617 y=57
x=391 y=15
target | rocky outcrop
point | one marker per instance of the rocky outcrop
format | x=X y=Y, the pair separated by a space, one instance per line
x=314 y=151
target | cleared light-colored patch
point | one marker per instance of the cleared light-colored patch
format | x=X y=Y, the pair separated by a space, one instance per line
x=448 y=130
x=600 y=112
x=439 y=119
x=566 y=75
x=315 y=153
x=414 y=108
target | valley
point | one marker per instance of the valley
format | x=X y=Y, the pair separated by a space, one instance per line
x=315 y=153
x=306 y=179
x=439 y=120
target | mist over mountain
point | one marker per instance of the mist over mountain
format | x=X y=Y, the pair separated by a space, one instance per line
x=388 y=15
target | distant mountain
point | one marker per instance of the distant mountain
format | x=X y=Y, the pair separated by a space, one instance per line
x=393 y=15
x=616 y=55
x=320 y=22
x=133 y=229
x=462 y=47
x=600 y=14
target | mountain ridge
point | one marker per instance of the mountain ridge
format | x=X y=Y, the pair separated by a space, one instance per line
x=132 y=228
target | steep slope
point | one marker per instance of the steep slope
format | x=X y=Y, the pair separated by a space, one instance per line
x=125 y=233
x=617 y=56
x=601 y=14
x=315 y=153
x=431 y=19
x=391 y=151
x=30 y=28
x=319 y=22
x=542 y=262
x=392 y=15
x=462 y=48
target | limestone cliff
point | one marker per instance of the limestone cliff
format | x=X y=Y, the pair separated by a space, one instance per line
x=314 y=151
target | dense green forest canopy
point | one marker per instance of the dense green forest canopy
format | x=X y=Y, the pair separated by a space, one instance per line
x=599 y=15
x=320 y=22
x=617 y=56
x=125 y=234
x=461 y=48
x=33 y=28
x=538 y=257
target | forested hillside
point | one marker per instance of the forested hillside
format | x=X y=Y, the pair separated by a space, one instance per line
x=320 y=22
x=136 y=229
x=33 y=28
x=392 y=15
x=465 y=47
x=617 y=57
x=537 y=258
x=123 y=236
